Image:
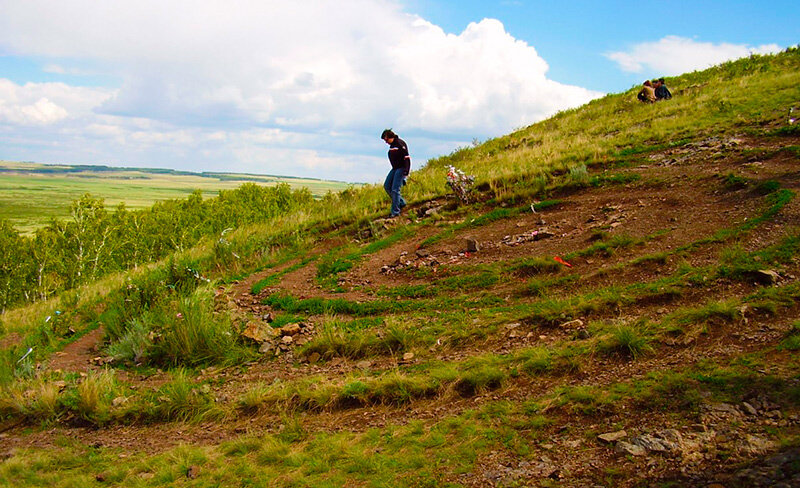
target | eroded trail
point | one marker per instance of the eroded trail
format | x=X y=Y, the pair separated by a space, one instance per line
x=650 y=249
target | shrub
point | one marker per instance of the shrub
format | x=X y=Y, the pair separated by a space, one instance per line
x=135 y=344
x=194 y=335
x=579 y=175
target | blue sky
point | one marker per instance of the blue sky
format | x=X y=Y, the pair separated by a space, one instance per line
x=573 y=36
x=304 y=88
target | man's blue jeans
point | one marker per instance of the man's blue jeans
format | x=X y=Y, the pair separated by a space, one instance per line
x=394 y=181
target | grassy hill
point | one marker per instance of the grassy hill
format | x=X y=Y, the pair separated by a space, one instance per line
x=31 y=194
x=616 y=305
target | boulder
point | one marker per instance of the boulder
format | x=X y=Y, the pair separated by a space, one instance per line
x=628 y=448
x=258 y=332
x=290 y=329
x=766 y=276
x=572 y=324
x=612 y=437
x=193 y=472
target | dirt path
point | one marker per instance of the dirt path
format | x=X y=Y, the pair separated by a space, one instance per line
x=678 y=197
x=81 y=355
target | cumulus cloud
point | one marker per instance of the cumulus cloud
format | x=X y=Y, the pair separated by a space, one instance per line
x=45 y=103
x=322 y=81
x=674 y=55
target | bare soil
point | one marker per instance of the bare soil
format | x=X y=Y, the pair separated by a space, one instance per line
x=680 y=198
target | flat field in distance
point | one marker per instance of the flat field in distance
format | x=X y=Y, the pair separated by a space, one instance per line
x=32 y=193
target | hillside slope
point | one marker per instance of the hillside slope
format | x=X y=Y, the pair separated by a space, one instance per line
x=450 y=347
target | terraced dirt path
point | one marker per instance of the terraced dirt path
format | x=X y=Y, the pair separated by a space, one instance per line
x=678 y=200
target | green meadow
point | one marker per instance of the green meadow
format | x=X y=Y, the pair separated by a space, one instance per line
x=32 y=194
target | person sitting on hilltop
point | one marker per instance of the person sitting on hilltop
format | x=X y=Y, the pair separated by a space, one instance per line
x=647 y=93
x=662 y=92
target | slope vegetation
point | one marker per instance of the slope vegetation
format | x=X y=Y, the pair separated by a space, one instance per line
x=616 y=305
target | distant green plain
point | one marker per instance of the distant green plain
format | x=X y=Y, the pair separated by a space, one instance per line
x=32 y=194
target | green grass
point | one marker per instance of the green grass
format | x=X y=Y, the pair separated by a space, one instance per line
x=435 y=317
x=35 y=193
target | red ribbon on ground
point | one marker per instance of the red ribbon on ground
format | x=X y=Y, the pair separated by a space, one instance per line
x=559 y=260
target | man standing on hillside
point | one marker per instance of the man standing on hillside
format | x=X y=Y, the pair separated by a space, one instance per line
x=401 y=166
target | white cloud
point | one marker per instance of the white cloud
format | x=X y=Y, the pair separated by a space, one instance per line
x=674 y=55
x=45 y=103
x=304 y=78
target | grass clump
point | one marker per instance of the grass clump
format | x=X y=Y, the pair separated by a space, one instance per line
x=194 y=335
x=182 y=400
x=344 y=339
x=627 y=340
x=534 y=266
x=792 y=340
x=724 y=311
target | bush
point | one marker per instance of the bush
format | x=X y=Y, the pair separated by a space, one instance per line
x=194 y=335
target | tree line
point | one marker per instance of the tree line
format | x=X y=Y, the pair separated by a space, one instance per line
x=95 y=241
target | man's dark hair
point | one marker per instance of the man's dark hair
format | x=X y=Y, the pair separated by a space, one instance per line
x=388 y=134
x=661 y=80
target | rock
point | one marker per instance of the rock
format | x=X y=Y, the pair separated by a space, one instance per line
x=725 y=408
x=513 y=326
x=287 y=339
x=628 y=448
x=100 y=478
x=472 y=245
x=572 y=324
x=313 y=358
x=363 y=364
x=120 y=400
x=757 y=445
x=290 y=329
x=612 y=437
x=422 y=253
x=267 y=317
x=653 y=443
x=408 y=356
x=749 y=409
x=258 y=332
x=265 y=348
x=766 y=276
x=193 y=472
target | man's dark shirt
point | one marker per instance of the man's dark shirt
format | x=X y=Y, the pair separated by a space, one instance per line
x=398 y=155
x=662 y=93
